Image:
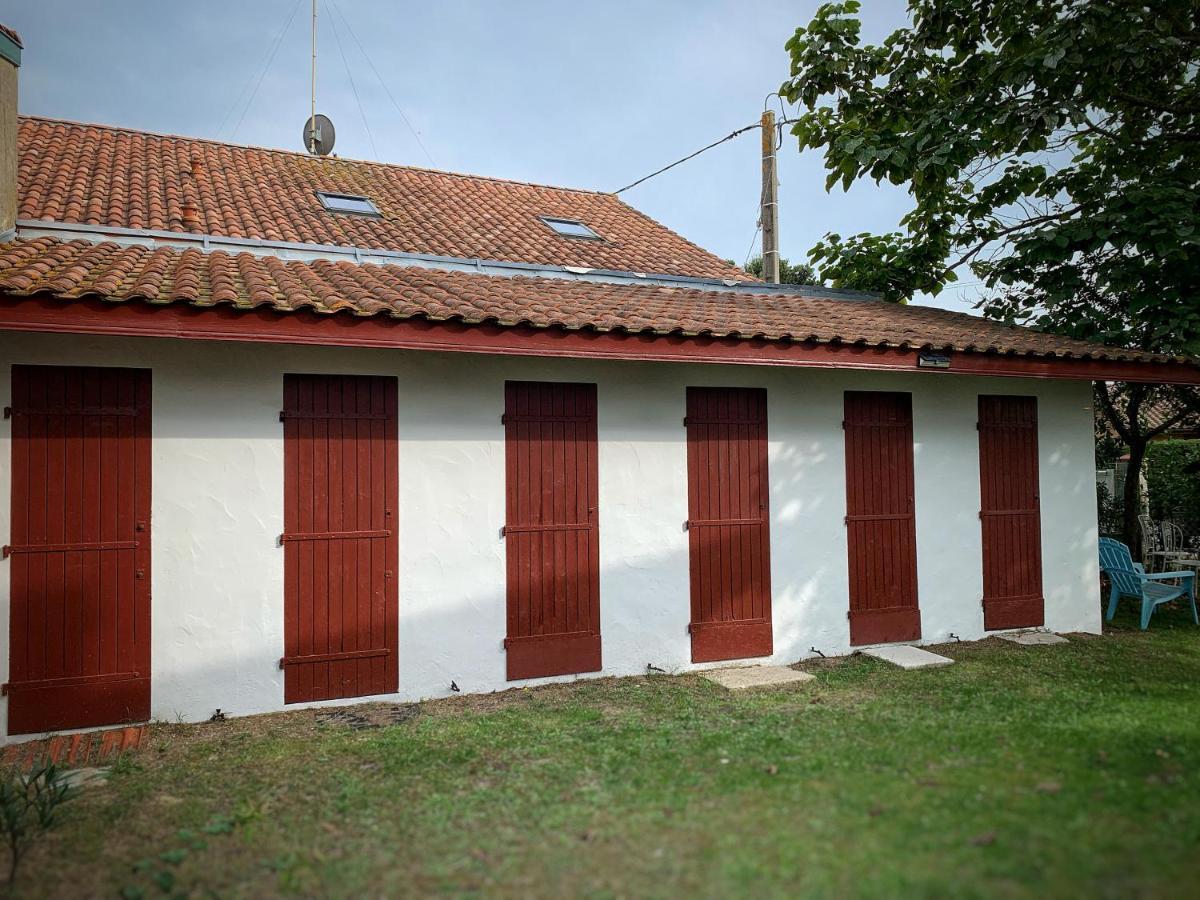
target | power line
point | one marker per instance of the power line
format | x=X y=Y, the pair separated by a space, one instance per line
x=677 y=162
x=337 y=38
x=350 y=28
x=262 y=73
x=753 y=241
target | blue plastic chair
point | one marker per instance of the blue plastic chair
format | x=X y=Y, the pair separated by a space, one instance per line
x=1129 y=579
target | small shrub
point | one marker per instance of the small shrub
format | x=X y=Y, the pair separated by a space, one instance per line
x=29 y=805
x=1109 y=510
x=1172 y=483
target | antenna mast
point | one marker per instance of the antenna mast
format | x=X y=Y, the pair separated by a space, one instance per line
x=312 y=140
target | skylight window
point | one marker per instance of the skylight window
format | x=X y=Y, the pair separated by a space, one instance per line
x=348 y=203
x=570 y=228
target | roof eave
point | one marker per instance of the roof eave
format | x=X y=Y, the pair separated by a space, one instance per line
x=44 y=313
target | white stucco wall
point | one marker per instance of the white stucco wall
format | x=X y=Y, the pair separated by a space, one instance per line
x=218 y=508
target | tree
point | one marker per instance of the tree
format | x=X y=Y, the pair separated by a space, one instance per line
x=798 y=273
x=1050 y=148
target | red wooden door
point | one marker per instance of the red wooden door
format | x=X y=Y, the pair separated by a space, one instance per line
x=880 y=518
x=1010 y=512
x=552 y=542
x=728 y=530
x=79 y=634
x=340 y=542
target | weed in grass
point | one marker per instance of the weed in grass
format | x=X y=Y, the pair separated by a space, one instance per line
x=29 y=807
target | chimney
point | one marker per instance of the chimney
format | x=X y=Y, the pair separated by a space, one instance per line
x=10 y=61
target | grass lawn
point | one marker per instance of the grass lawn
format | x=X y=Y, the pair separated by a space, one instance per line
x=1062 y=771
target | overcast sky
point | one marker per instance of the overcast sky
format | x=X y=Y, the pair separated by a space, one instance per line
x=591 y=95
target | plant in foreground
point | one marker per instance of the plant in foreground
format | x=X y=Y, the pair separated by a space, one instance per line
x=29 y=803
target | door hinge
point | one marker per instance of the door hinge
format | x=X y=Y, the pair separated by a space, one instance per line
x=5 y=551
x=8 y=412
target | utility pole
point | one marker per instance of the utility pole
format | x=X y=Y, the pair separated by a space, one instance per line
x=769 y=215
x=312 y=134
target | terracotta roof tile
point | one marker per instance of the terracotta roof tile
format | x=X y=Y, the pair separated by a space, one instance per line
x=98 y=175
x=11 y=35
x=80 y=269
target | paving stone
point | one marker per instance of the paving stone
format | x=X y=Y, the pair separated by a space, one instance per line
x=907 y=657
x=396 y=715
x=1034 y=638
x=344 y=718
x=755 y=676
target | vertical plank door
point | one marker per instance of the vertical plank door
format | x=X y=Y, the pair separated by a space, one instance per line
x=551 y=532
x=340 y=541
x=880 y=518
x=1010 y=512
x=79 y=633
x=728 y=530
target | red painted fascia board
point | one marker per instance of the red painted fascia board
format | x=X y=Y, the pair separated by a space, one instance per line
x=222 y=323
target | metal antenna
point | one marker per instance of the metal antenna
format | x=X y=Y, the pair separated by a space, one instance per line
x=312 y=140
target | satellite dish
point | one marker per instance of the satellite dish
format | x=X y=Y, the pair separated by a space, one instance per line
x=318 y=135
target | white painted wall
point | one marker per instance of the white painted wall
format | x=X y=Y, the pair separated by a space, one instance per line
x=218 y=508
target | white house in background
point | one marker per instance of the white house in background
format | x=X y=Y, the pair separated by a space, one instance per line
x=294 y=430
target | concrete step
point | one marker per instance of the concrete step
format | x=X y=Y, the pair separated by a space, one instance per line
x=1033 y=638
x=743 y=677
x=907 y=657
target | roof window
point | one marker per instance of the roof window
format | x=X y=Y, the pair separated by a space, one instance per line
x=348 y=203
x=570 y=228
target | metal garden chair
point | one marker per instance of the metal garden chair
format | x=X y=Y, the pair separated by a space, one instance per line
x=1129 y=579
x=1151 y=540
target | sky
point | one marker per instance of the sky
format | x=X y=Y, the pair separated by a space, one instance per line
x=580 y=94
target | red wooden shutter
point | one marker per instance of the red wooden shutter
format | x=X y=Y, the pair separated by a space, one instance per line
x=880 y=519
x=1010 y=512
x=340 y=541
x=79 y=633
x=728 y=531
x=551 y=533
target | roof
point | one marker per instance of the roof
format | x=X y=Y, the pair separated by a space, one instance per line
x=77 y=270
x=113 y=224
x=11 y=35
x=100 y=175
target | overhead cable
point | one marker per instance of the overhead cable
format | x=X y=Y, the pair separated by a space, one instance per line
x=262 y=73
x=353 y=87
x=677 y=162
x=361 y=49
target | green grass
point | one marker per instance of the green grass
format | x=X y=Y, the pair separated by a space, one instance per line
x=1061 y=771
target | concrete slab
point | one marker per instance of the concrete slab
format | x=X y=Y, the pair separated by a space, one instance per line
x=908 y=657
x=78 y=778
x=755 y=676
x=1034 y=638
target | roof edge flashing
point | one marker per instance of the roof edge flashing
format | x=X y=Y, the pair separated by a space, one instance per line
x=289 y=250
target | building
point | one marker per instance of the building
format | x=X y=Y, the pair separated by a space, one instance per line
x=287 y=430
